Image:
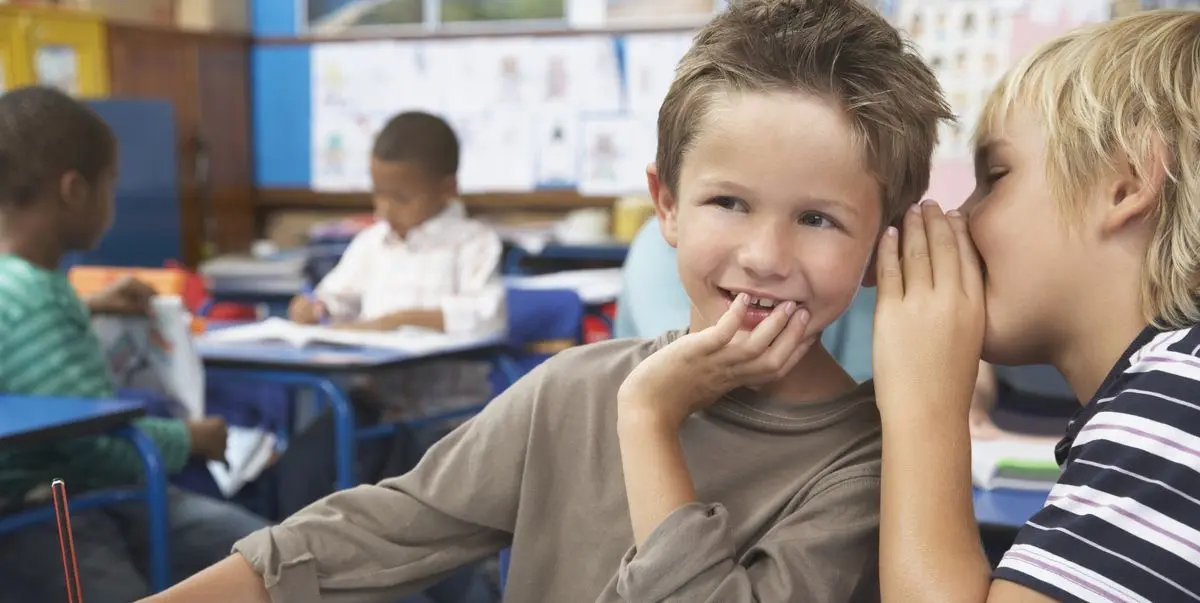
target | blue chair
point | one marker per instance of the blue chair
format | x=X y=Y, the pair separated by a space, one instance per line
x=154 y=493
x=541 y=323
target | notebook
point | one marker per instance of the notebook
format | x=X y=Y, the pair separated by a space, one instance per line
x=1024 y=464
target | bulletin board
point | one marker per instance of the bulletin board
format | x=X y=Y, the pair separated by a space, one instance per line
x=578 y=111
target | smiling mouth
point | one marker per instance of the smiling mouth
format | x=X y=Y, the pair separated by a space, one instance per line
x=755 y=301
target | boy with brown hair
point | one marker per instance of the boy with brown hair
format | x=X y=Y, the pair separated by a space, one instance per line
x=737 y=462
x=1086 y=215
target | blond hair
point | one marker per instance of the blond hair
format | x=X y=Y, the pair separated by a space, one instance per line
x=839 y=50
x=1121 y=91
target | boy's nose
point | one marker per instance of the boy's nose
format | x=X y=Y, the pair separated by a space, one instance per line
x=767 y=253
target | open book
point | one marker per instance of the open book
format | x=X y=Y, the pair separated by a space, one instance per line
x=408 y=339
x=1014 y=463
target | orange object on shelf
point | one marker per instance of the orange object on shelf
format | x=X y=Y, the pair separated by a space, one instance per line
x=89 y=280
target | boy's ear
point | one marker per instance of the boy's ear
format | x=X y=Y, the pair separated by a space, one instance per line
x=73 y=189
x=450 y=186
x=1134 y=196
x=664 y=205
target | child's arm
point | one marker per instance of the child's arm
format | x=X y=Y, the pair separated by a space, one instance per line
x=384 y=541
x=232 y=580
x=99 y=459
x=822 y=550
x=340 y=292
x=476 y=304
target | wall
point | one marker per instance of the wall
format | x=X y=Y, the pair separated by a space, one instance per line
x=281 y=99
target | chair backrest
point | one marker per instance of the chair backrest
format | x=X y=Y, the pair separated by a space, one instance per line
x=504 y=555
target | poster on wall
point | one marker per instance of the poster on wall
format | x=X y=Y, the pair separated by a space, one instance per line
x=970 y=44
x=614 y=152
x=515 y=103
x=356 y=87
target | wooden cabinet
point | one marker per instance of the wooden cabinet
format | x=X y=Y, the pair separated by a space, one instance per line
x=44 y=45
x=207 y=78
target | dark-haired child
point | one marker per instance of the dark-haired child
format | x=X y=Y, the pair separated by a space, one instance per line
x=57 y=173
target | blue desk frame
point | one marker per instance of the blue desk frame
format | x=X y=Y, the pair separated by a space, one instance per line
x=609 y=253
x=1008 y=509
x=85 y=417
x=314 y=368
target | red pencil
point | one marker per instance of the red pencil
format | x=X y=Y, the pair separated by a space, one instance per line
x=66 y=542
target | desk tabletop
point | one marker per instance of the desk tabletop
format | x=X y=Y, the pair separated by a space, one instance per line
x=280 y=355
x=1006 y=508
x=25 y=419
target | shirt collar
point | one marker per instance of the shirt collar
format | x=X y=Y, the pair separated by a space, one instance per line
x=433 y=229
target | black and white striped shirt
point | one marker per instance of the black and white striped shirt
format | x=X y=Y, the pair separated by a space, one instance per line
x=1123 y=522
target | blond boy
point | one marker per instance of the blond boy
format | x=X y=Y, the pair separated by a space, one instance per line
x=1087 y=220
x=735 y=463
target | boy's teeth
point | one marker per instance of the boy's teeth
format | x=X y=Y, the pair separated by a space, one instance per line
x=762 y=303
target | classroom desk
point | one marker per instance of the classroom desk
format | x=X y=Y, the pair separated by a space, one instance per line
x=315 y=367
x=595 y=287
x=609 y=253
x=28 y=419
x=1003 y=508
x=31 y=419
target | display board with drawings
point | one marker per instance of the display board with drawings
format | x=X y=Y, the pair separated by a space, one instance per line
x=970 y=44
x=579 y=111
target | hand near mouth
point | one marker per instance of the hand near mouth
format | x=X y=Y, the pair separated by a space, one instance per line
x=695 y=370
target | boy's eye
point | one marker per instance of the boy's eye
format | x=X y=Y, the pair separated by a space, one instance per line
x=995 y=174
x=816 y=220
x=730 y=203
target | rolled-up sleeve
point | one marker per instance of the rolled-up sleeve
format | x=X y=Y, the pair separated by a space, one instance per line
x=477 y=304
x=826 y=549
x=385 y=541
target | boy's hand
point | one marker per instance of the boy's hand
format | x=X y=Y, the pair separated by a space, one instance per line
x=209 y=438
x=127 y=295
x=306 y=311
x=698 y=368
x=929 y=317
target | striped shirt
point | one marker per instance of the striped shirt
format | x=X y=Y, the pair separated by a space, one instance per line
x=47 y=348
x=1123 y=522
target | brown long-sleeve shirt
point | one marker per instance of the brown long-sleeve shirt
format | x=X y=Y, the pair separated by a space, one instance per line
x=791 y=509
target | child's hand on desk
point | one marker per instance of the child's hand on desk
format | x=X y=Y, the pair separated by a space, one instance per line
x=307 y=311
x=694 y=371
x=127 y=295
x=209 y=438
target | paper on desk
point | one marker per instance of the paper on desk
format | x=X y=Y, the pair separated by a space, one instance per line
x=155 y=354
x=598 y=286
x=1011 y=463
x=248 y=451
x=411 y=340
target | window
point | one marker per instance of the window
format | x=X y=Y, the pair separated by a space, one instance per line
x=498 y=10
x=339 y=16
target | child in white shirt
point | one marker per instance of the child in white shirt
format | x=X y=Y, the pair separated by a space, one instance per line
x=425 y=263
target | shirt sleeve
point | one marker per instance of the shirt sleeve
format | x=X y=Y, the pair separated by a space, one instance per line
x=381 y=542
x=477 y=304
x=824 y=550
x=94 y=460
x=1123 y=521
x=342 y=289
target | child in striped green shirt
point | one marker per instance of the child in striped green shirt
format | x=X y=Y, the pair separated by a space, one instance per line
x=57 y=175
